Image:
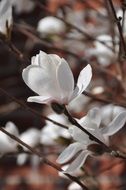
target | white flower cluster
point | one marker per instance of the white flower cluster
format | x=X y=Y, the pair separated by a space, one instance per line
x=51 y=78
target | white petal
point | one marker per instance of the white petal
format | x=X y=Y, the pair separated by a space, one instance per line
x=95 y=116
x=83 y=81
x=74 y=186
x=55 y=58
x=31 y=137
x=116 y=124
x=40 y=99
x=41 y=82
x=21 y=159
x=78 y=162
x=78 y=135
x=35 y=60
x=91 y=127
x=12 y=128
x=5 y=15
x=69 y=152
x=65 y=79
x=44 y=60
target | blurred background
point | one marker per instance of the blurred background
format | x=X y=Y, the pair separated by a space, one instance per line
x=84 y=32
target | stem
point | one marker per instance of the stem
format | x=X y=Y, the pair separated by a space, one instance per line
x=122 y=47
x=117 y=20
x=31 y=110
x=45 y=160
x=92 y=137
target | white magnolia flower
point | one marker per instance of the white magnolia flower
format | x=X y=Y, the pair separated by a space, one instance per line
x=50 y=76
x=7 y=144
x=30 y=137
x=50 y=132
x=5 y=16
x=91 y=122
x=51 y=25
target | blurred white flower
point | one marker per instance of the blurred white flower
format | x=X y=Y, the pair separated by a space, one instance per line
x=103 y=53
x=5 y=16
x=7 y=144
x=76 y=173
x=50 y=25
x=91 y=122
x=22 y=5
x=51 y=132
x=50 y=76
x=74 y=186
x=30 y=137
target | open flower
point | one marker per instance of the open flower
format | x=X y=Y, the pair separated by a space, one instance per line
x=91 y=122
x=5 y=16
x=50 y=76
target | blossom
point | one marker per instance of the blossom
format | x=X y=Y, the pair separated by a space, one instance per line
x=32 y=138
x=5 y=16
x=6 y=143
x=51 y=25
x=50 y=76
x=103 y=52
x=50 y=132
x=91 y=122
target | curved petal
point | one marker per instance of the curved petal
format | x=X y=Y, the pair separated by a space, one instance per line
x=12 y=128
x=5 y=15
x=116 y=124
x=45 y=61
x=40 y=99
x=41 y=82
x=79 y=135
x=91 y=127
x=95 y=116
x=69 y=152
x=35 y=60
x=55 y=58
x=65 y=79
x=21 y=159
x=78 y=162
x=83 y=81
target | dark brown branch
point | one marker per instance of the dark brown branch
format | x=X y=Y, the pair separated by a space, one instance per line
x=92 y=137
x=30 y=109
x=117 y=20
x=43 y=159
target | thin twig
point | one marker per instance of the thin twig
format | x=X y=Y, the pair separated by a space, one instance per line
x=43 y=159
x=117 y=20
x=31 y=110
x=85 y=34
x=92 y=137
